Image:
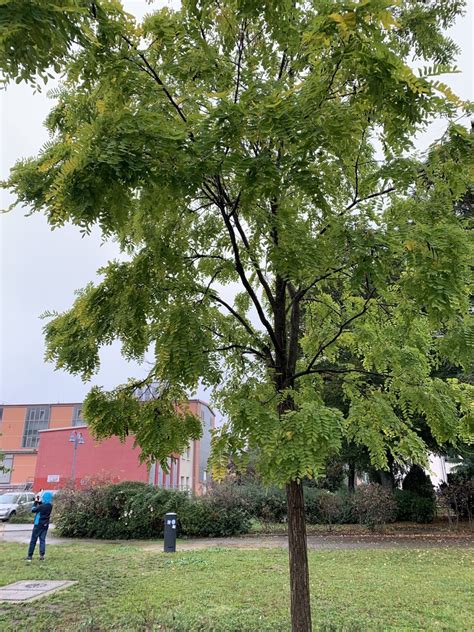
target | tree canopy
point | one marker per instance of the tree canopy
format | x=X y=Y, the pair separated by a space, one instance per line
x=267 y=145
x=256 y=162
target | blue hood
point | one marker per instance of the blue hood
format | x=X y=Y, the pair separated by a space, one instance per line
x=47 y=497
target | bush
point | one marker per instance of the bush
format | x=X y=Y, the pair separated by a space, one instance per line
x=374 y=505
x=144 y=512
x=268 y=504
x=324 y=507
x=265 y=503
x=414 y=508
x=330 y=506
x=312 y=505
x=419 y=483
x=22 y=516
x=458 y=497
x=207 y=516
x=81 y=513
x=130 y=510
x=223 y=511
x=272 y=506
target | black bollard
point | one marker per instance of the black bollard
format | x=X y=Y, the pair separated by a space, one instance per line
x=170 y=533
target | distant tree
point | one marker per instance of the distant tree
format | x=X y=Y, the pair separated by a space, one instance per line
x=265 y=145
x=418 y=482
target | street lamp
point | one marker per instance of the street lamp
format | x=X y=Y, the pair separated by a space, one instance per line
x=77 y=439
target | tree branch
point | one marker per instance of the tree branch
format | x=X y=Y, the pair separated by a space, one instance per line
x=302 y=292
x=233 y=214
x=241 y=272
x=152 y=72
x=282 y=65
x=244 y=348
x=239 y=62
x=368 y=197
x=327 y=344
x=354 y=203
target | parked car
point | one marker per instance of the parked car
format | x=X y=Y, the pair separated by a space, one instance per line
x=15 y=502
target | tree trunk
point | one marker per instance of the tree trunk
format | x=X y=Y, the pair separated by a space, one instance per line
x=299 y=571
x=351 y=477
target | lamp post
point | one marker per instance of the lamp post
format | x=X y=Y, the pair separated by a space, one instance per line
x=76 y=439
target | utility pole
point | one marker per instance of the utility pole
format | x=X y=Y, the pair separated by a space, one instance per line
x=76 y=439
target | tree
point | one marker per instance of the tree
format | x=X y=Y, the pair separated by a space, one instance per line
x=263 y=146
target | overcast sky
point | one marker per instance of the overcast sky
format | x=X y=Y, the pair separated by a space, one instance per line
x=40 y=268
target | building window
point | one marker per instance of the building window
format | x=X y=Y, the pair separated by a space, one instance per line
x=6 y=468
x=182 y=483
x=37 y=418
x=187 y=482
x=1 y=413
x=188 y=453
x=77 y=418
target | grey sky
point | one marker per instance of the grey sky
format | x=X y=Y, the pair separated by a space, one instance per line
x=40 y=268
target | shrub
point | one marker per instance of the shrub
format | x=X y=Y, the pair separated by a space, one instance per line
x=265 y=503
x=82 y=513
x=272 y=506
x=374 y=505
x=330 y=507
x=22 y=516
x=414 y=508
x=458 y=497
x=137 y=511
x=143 y=513
x=224 y=511
x=419 y=483
x=207 y=516
x=312 y=505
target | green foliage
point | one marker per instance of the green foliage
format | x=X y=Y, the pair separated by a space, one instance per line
x=37 y=35
x=268 y=503
x=22 y=516
x=215 y=516
x=418 y=482
x=374 y=505
x=325 y=507
x=136 y=510
x=263 y=151
x=412 y=507
x=160 y=426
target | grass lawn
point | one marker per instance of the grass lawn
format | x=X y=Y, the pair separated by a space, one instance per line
x=123 y=587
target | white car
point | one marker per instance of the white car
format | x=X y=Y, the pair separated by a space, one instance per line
x=15 y=502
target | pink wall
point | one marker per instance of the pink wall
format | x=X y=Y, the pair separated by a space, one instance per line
x=109 y=458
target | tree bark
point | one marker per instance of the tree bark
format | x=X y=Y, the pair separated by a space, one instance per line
x=298 y=552
x=351 y=477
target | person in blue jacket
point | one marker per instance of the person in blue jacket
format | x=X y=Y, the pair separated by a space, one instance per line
x=42 y=508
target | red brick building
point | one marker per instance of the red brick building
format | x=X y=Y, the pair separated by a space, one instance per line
x=35 y=442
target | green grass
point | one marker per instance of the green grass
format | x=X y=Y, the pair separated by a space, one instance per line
x=123 y=587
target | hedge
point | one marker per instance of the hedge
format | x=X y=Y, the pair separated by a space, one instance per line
x=136 y=510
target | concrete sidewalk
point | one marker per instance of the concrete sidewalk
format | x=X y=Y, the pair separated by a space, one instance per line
x=7 y=527
x=21 y=534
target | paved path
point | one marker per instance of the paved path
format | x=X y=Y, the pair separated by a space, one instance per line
x=21 y=534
